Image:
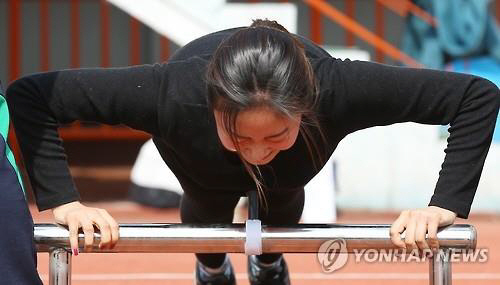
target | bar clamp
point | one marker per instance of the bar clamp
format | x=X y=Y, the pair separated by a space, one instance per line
x=253 y=226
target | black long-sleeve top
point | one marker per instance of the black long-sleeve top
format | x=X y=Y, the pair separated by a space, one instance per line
x=169 y=101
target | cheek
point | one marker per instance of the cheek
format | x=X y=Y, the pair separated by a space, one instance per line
x=225 y=140
x=290 y=141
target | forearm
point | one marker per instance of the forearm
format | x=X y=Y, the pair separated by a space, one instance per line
x=471 y=133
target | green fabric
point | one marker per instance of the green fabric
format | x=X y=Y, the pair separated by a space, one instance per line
x=4 y=131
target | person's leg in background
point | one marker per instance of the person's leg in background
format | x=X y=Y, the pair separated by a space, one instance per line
x=212 y=268
x=17 y=247
x=284 y=207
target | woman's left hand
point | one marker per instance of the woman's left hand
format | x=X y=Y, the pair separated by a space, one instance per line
x=417 y=223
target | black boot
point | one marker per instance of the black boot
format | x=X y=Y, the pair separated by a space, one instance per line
x=275 y=273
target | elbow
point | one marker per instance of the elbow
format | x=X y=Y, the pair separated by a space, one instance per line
x=491 y=92
x=16 y=90
x=487 y=96
x=25 y=99
x=25 y=92
x=13 y=94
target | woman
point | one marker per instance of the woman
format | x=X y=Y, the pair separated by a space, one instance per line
x=246 y=108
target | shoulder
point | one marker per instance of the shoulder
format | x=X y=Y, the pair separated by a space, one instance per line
x=203 y=46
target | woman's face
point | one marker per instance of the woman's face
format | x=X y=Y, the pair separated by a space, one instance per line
x=261 y=134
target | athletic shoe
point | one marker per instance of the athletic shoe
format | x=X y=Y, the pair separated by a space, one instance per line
x=268 y=274
x=224 y=276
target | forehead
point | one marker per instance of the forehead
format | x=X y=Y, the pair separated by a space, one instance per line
x=261 y=122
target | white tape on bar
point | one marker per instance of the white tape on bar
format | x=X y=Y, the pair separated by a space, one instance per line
x=253 y=242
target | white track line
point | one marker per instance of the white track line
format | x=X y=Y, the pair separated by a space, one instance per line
x=296 y=276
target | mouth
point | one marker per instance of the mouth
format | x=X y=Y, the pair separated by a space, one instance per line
x=266 y=159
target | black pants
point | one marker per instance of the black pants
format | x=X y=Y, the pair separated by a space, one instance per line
x=284 y=208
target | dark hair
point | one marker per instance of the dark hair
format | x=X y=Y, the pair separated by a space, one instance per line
x=264 y=66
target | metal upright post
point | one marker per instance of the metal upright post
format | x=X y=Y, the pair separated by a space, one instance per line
x=60 y=267
x=440 y=267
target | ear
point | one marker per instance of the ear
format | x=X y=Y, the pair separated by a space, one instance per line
x=224 y=137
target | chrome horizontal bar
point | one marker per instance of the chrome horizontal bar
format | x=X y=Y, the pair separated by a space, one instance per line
x=300 y=238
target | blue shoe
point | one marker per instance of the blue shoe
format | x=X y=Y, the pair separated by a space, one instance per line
x=273 y=274
x=203 y=276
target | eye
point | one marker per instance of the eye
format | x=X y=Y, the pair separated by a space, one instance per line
x=242 y=140
x=279 y=138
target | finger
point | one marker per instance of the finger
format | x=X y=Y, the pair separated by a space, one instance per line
x=73 y=226
x=410 y=233
x=432 y=228
x=397 y=228
x=104 y=230
x=115 y=229
x=88 y=231
x=420 y=231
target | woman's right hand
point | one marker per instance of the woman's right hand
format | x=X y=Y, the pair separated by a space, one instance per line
x=76 y=215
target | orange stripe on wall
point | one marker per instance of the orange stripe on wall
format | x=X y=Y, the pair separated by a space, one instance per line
x=135 y=45
x=105 y=47
x=14 y=16
x=316 y=28
x=44 y=36
x=75 y=33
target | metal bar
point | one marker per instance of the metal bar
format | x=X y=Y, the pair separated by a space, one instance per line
x=419 y=12
x=403 y=7
x=361 y=32
x=14 y=16
x=44 y=35
x=59 y=267
x=440 y=268
x=300 y=238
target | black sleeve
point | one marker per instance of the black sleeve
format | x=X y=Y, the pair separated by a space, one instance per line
x=365 y=94
x=40 y=102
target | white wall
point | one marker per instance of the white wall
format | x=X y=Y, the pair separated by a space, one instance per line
x=396 y=167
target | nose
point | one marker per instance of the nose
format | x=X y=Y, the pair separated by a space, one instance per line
x=257 y=153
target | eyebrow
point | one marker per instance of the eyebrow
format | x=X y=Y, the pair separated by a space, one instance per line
x=268 y=137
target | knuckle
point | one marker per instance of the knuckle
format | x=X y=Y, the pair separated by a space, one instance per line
x=419 y=241
x=88 y=229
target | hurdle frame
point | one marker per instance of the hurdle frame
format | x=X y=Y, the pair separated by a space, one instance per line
x=230 y=238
